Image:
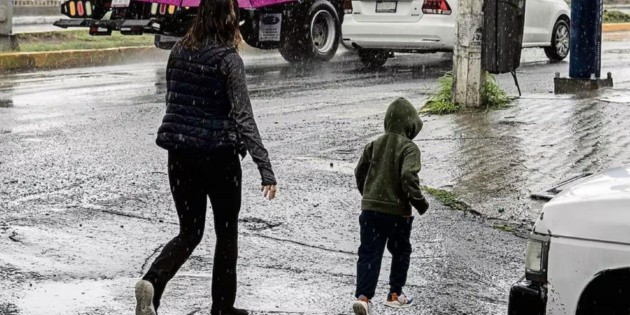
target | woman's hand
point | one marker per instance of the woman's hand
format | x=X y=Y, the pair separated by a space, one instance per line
x=269 y=191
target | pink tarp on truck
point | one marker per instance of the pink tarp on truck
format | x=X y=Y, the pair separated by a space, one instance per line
x=244 y=4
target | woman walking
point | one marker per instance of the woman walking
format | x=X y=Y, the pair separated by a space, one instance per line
x=208 y=124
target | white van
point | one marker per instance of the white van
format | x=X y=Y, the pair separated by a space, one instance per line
x=578 y=254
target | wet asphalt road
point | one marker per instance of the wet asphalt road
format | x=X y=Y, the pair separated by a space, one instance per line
x=84 y=196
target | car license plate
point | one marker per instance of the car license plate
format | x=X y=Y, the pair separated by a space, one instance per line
x=386 y=6
x=120 y=3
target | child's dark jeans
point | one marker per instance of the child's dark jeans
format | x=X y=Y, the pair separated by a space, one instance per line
x=377 y=230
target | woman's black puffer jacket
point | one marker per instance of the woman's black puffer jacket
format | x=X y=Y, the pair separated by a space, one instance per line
x=208 y=107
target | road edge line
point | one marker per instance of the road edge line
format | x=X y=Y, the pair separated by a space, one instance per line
x=615 y=27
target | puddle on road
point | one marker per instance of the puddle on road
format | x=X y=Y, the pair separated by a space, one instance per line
x=495 y=160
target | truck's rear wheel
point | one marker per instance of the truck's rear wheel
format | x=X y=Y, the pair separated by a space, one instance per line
x=320 y=42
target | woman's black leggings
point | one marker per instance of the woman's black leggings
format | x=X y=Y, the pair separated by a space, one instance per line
x=193 y=179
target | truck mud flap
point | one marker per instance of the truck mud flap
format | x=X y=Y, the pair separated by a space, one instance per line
x=165 y=41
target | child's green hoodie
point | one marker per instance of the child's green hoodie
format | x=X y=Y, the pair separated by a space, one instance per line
x=387 y=174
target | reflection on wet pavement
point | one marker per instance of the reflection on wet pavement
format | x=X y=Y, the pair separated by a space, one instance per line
x=499 y=158
x=85 y=199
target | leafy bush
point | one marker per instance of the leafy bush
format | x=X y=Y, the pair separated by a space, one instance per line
x=441 y=103
x=616 y=17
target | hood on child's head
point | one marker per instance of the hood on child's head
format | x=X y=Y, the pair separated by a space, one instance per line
x=402 y=118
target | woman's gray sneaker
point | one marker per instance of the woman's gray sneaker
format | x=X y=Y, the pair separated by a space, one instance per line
x=144 y=298
x=362 y=306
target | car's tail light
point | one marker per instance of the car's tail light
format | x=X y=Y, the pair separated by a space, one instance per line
x=347 y=6
x=436 y=7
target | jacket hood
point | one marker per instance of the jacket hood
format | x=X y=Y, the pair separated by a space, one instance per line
x=402 y=118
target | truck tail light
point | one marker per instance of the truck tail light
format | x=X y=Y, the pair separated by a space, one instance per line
x=75 y=9
x=347 y=6
x=88 y=8
x=436 y=7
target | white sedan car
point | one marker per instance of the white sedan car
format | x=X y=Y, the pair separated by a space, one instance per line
x=377 y=28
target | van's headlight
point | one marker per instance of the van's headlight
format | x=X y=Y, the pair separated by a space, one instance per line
x=536 y=256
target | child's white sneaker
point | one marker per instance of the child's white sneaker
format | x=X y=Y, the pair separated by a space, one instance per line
x=144 y=298
x=362 y=306
x=398 y=301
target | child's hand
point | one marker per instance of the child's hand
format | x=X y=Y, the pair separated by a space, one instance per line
x=423 y=206
x=269 y=191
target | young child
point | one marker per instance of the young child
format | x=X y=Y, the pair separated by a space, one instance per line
x=387 y=178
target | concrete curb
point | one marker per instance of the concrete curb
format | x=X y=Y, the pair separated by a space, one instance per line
x=36 y=20
x=616 y=27
x=76 y=58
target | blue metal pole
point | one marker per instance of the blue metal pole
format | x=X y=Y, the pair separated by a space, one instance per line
x=586 y=39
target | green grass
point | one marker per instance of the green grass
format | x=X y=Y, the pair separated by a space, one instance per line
x=79 y=39
x=493 y=96
x=447 y=198
x=504 y=227
x=616 y=17
x=441 y=103
x=451 y=200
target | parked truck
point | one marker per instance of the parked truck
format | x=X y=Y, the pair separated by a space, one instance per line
x=302 y=30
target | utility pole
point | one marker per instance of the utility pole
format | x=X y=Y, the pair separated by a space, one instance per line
x=586 y=49
x=468 y=73
x=7 y=40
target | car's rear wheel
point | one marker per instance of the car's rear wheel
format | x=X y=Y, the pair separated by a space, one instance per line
x=373 y=58
x=559 y=48
x=320 y=42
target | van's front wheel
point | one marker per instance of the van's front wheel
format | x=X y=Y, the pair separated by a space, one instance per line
x=314 y=38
